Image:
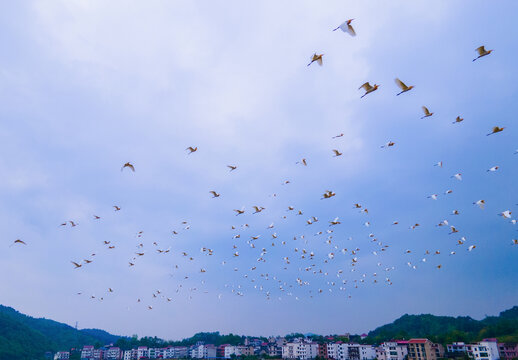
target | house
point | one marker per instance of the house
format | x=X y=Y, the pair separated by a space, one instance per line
x=62 y=355
x=300 y=350
x=508 y=351
x=392 y=350
x=424 y=349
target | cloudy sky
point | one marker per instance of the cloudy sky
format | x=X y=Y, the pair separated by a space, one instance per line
x=86 y=86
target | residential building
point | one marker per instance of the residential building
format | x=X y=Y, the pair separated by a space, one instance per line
x=322 y=351
x=508 y=351
x=424 y=349
x=176 y=352
x=392 y=350
x=87 y=353
x=203 y=351
x=300 y=350
x=486 y=349
x=62 y=355
x=113 y=353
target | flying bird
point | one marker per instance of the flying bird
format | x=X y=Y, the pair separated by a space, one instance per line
x=232 y=167
x=316 y=57
x=129 y=166
x=77 y=266
x=427 y=112
x=495 y=130
x=480 y=203
x=18 y=241
x=192 y=149
x=368 y=88
x=458 y=119
x=214 y=194
x=457 y=176
x=337 y=153
x=482 y=52
x=346 y=27
x=239 y=212
x=402 y=86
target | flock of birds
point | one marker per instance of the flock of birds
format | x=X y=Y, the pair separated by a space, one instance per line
x=299 y=254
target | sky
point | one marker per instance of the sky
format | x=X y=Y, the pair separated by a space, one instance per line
x=86 y=86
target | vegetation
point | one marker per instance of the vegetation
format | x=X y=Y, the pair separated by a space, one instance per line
x=23 y=337
x=445 y=329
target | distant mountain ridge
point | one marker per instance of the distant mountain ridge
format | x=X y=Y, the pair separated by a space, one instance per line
x=26 y=338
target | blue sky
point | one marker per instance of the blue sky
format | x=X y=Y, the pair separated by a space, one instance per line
x=86 y=86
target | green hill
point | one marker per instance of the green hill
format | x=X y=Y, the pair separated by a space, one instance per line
x=23 y=337
x=446 y=329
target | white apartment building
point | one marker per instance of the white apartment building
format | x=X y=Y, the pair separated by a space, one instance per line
x=175 y=352
x=203 y=351
x=485 y=350
x=367 y=352
x=87 y=352
x=62 y=355
x=392 y=350
x=300 y=351
x=113 y=353
x=347 y=351
x=338 y=351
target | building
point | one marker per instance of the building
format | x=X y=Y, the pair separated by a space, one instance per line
x=508 y=351
x=87 y=353
x=392 y=350
x=176 y=352
x=367 y=352
x=486 y=349
x=456 y=347
x=203 y=351
x=322 y=351
x=62 y=355
x=237 y=350
x=424 y=349
x=300 y=350
x=113 y=353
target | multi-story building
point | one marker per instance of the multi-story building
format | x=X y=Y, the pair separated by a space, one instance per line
x=131 y=354
x=113 y=353
x=87 y=353
x=300 y=350
x=203 y=351
x=508 y=351
x=487 y=349
x=424 y=349
x=392 y=350
x=367 y=352
x=176 y=352
x=456 y=347
x=62 y=355
x=322 y=351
